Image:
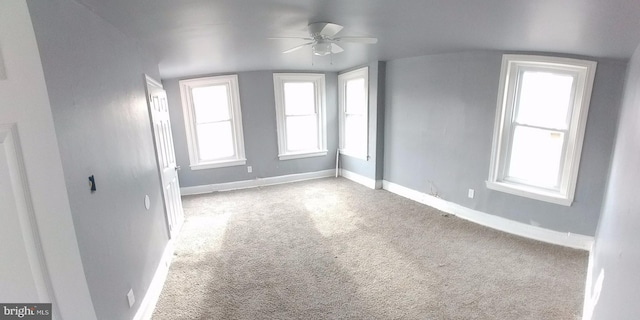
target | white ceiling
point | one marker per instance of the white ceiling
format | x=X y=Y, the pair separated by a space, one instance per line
x=192 y=37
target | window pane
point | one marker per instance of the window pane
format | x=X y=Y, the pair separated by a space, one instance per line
x=215 y=140
x=299 y=98
x=355 y=130
x=210 y=103
x=302 y=133
x=536 y=156
x=544 y=99
x=356 y=100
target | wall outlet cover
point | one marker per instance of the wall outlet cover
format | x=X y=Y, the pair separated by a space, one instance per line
x=131 y=298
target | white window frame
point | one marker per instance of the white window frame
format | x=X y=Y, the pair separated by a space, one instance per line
x=318 y=80
x=511 y=68
x=233 y=96
x=362 y=73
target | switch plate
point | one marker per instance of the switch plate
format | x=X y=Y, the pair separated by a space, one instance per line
x=249 y=169
x=471 y=193
x=131 y=298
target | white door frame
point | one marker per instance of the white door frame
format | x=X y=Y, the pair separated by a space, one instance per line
x=23 y=206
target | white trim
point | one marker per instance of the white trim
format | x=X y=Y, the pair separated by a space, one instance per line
x=148 y=304
x=587 y=308
x=302 y=155
x=10 y=143
x=365 y=181
x=343 y=78
x=259 y=182
x=362 y=157
x=567 y=239
x=529 y=192
x=592 y=289
x=218 y=164
x=235 y=113
x=318 y=80
x=584 y=73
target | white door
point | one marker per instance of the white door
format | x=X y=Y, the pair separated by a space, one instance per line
x=23 y=276
x=161 y=127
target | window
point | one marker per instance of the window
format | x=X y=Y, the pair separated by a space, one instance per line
x=542 y=112
x=213 y=122
x=354 y=112
x=300 y=115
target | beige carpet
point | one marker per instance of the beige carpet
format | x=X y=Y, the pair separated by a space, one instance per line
x=332 y=249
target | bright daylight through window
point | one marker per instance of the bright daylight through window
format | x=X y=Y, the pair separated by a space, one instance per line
x=542 y=111
x=213 y=121
x=354 y=112
x=300 y=115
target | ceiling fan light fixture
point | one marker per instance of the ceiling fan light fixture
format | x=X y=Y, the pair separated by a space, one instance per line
x=321 y=48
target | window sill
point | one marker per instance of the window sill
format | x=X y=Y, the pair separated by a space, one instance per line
x=363 y=157
x=218 y=164
x=531 y=192
x=290 y=156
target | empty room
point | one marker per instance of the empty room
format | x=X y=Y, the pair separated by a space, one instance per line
x=315 y=159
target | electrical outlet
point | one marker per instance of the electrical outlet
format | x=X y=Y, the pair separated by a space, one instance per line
x=249 y=169
x=131 y=298
x=471 y=193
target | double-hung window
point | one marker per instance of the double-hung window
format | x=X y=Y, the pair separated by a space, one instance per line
x=213 y=121
x=353 y=92
x=542 y=111
x=300 y=115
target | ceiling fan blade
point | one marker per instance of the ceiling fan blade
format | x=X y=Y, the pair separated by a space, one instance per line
x=288 y=38
x=297 y=47
x=336 y=48
x=326 y=29
x=331 y=29
x=367 y=40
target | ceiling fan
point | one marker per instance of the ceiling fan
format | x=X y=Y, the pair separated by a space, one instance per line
x=323 y=41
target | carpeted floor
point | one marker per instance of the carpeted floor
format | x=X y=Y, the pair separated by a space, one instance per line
x=333 y=249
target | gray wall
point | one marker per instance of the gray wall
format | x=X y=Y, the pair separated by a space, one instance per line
x=617 y=238
x=373 y=167
x=439 y=123
x=94 y=76
x=260 y=135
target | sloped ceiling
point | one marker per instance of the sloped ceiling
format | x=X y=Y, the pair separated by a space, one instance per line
x=192 y=37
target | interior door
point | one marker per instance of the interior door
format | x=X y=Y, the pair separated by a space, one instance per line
x=165 y=155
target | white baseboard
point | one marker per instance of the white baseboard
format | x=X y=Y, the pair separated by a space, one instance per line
x=365 y=181
x=567 y=239
x=259 y=182
x=148 y=304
